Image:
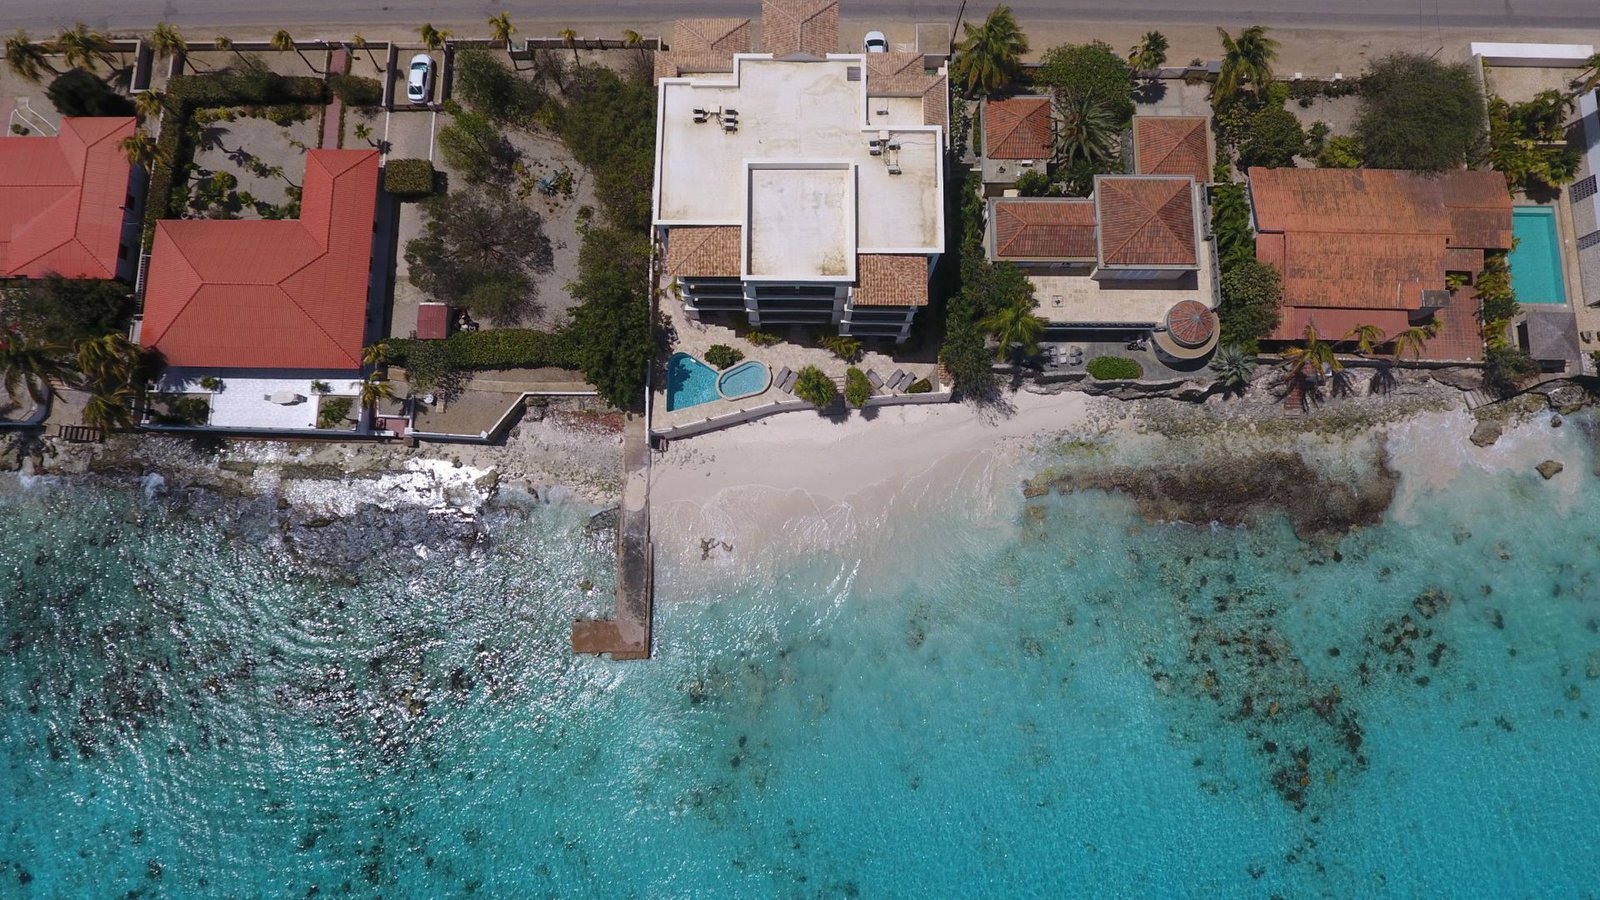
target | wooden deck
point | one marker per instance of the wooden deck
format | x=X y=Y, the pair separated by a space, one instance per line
x=627 y=634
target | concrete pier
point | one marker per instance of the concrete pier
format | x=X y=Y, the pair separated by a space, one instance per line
x=627 y=634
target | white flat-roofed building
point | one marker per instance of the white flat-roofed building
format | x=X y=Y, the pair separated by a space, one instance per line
x=804 y=189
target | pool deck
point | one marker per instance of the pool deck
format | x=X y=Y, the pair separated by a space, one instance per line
x=1588 y=317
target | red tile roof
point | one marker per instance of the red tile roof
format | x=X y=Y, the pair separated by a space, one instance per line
x=889 y=280
x=1146 y=222
x=704 y=251
x=1172 y=145
x=1025 y=229
x=711 y=36
x=1017 y=129
x=433 y=321
x=61 y=200
x=270 y=294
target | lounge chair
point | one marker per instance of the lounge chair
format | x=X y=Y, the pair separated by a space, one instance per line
x=874 y=379
x=788 y=382
x=905 y=382
x=779 y=379
x=894 y=380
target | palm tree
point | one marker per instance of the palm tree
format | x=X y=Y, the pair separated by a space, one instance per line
x=360 y=43
x=375 y=354
x=109 y=360
x=223 y=42
x=1087 y=131
x=27 y=59
x=149 y=104
x=283 y=40
x=1015 y=324
x=1415 y=339
x=30 y=366
x=1588 y=82
x=991 y=54
x=1150 y=53
x=1234 y=367
x=502 y=29
x=1312 y=361
x=108 y=408
x=1246 y=60
x=1366 y=338
x=373 y=392
x=166 y=40
x=140 y=148
x=433 y=37
x=363 y=132
x=571 y=38
x=82 y=48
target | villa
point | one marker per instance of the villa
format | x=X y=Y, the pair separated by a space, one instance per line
x=269 y=306
x=1375 y=247
x=799 y=186
x=69 y=204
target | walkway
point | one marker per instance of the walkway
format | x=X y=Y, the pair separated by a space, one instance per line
x=627 y=634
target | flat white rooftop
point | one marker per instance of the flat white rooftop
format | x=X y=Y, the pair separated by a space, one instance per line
x=787 y=201
x=793 y=112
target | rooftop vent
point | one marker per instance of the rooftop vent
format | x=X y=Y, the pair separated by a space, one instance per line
x=894 y=170
x=853 y=73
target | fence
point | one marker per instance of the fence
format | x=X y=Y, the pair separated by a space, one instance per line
x=712 y=423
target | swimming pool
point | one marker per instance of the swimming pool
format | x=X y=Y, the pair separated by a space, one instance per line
x=744 y=380
x=1536 y=260
x=690 y=382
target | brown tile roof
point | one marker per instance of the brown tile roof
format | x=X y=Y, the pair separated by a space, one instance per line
x=1334 y=324
x=1375 y=239
x=936 y=104
x=1043 y=229
x=789 y=27
x=674 y=64
x=1172 y=145
x=888 y=280
x=1017 y=129
x=1146 y=221
x=711 y=35
x=906 y=75
x=703 y=251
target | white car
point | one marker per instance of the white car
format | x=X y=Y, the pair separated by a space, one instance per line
x=419 y=81
x=876 y=42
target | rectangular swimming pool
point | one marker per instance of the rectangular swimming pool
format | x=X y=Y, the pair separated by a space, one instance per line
x=1536 y=260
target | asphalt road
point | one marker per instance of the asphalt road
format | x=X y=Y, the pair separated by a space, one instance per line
x=338 y=16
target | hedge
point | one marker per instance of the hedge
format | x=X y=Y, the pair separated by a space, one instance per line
x=408 y=177
x=857 y=389
x=1114 y=368
x=355 y=90
x=501 y=348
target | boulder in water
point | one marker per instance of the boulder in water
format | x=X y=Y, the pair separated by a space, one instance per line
x=1549 y=468
x=1486 y=433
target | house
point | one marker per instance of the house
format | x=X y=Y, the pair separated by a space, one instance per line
x=268 y=305
x=1018 y=137
x=801 y=186
x=70 y=204
x=1375 y=247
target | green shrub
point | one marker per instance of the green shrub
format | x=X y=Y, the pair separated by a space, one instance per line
x=1419 y=113
x=213 y=383
x=1114 y=368
x=1033 y=183
x=920 y=386
x=484 y=83
x=285 y=114
x=814 y=387
x=1093 y=71
x=1340 y=152
x=722 y=356
x=332 y=411
x=1273 y=139
x=79 y=93
x=845 y=348
x=856 y=387
x=183 y=409
x=1505 y=367
x=1252 y=297
x=320 y=388
x=355 y=90
x=408 y=177
x=762 y=338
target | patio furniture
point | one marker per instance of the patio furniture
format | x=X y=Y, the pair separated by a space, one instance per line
x=1588 y=336
x=894 y=380
x=780 y=380
x=788 y=383
x=284 y=398
x=874 y=379
x=905 y=381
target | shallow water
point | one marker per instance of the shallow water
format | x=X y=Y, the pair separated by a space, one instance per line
x=973 y=692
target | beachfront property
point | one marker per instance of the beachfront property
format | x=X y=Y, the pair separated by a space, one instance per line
x=1375 y=247
x=270 y=308
x=798 y=186
x=71 y=204
x=1133 y=258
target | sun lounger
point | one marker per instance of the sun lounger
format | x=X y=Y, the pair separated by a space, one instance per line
x=788 y=382
x=905 y=382
x=874 y=379
x=894 y=379
x=780 y=380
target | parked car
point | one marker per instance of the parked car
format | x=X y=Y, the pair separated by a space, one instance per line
x=419 y=81
x=876 y=42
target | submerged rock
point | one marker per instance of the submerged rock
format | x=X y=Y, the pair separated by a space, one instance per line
x=1549 y=468
x=1486 y=433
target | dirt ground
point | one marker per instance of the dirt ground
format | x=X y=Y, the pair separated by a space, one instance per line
x=266 y=158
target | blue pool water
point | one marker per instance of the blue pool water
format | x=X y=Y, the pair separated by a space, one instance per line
x=1536 y=260
x=744 y=380
x=690 y=382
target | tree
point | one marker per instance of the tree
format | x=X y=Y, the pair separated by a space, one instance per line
x=1246 y=61
x=223 y=42
x=140 y=148
x=485 y=84
x=109 y=360
x=1091 y=71
x=77 y=92
x=27 y=59
x=1527 y=142
x=149 y=104
x=612 y=325
x=990 y=55
x=815 y=387
x=1366 y=338
x=358 y=42
x=374 y=391
x=480 y=251
x=27 y=365
x=473 y=146
x=1588 y=81
x=167 y=40
x=1273 y=140
x=1418 y=113
x=570 y=38
x=375 y=354
x=502 y=29
x=1415 y=339
x=62 y=311
x=1312 y=360
x=1252 y=293
x=283 y=40
x=1014 y=325
x=1234 y=367
x=433 y=38
x=82 y=48
x=1150 y=53
x=1087 y=132
x=108 y=408
x=363 y=132
x=1340 y=152
x=1033 y=183
x=857 y=389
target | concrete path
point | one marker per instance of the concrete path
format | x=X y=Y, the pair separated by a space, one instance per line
x=627 y=634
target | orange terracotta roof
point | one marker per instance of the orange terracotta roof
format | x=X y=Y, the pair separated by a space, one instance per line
x=790 y=27
x=936 y=104
x=711 y=36
x=1146 y=221
x=1334 y=324
x=270 y=294
x=1026 y=229
x=703 y=251
x=433 y=321
x=61 y=200
x=1017 y=129
x=890 y=280
x=674 y=64
x=1172 y=145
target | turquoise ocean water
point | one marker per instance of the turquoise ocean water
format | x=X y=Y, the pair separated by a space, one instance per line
x=1040 y=698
